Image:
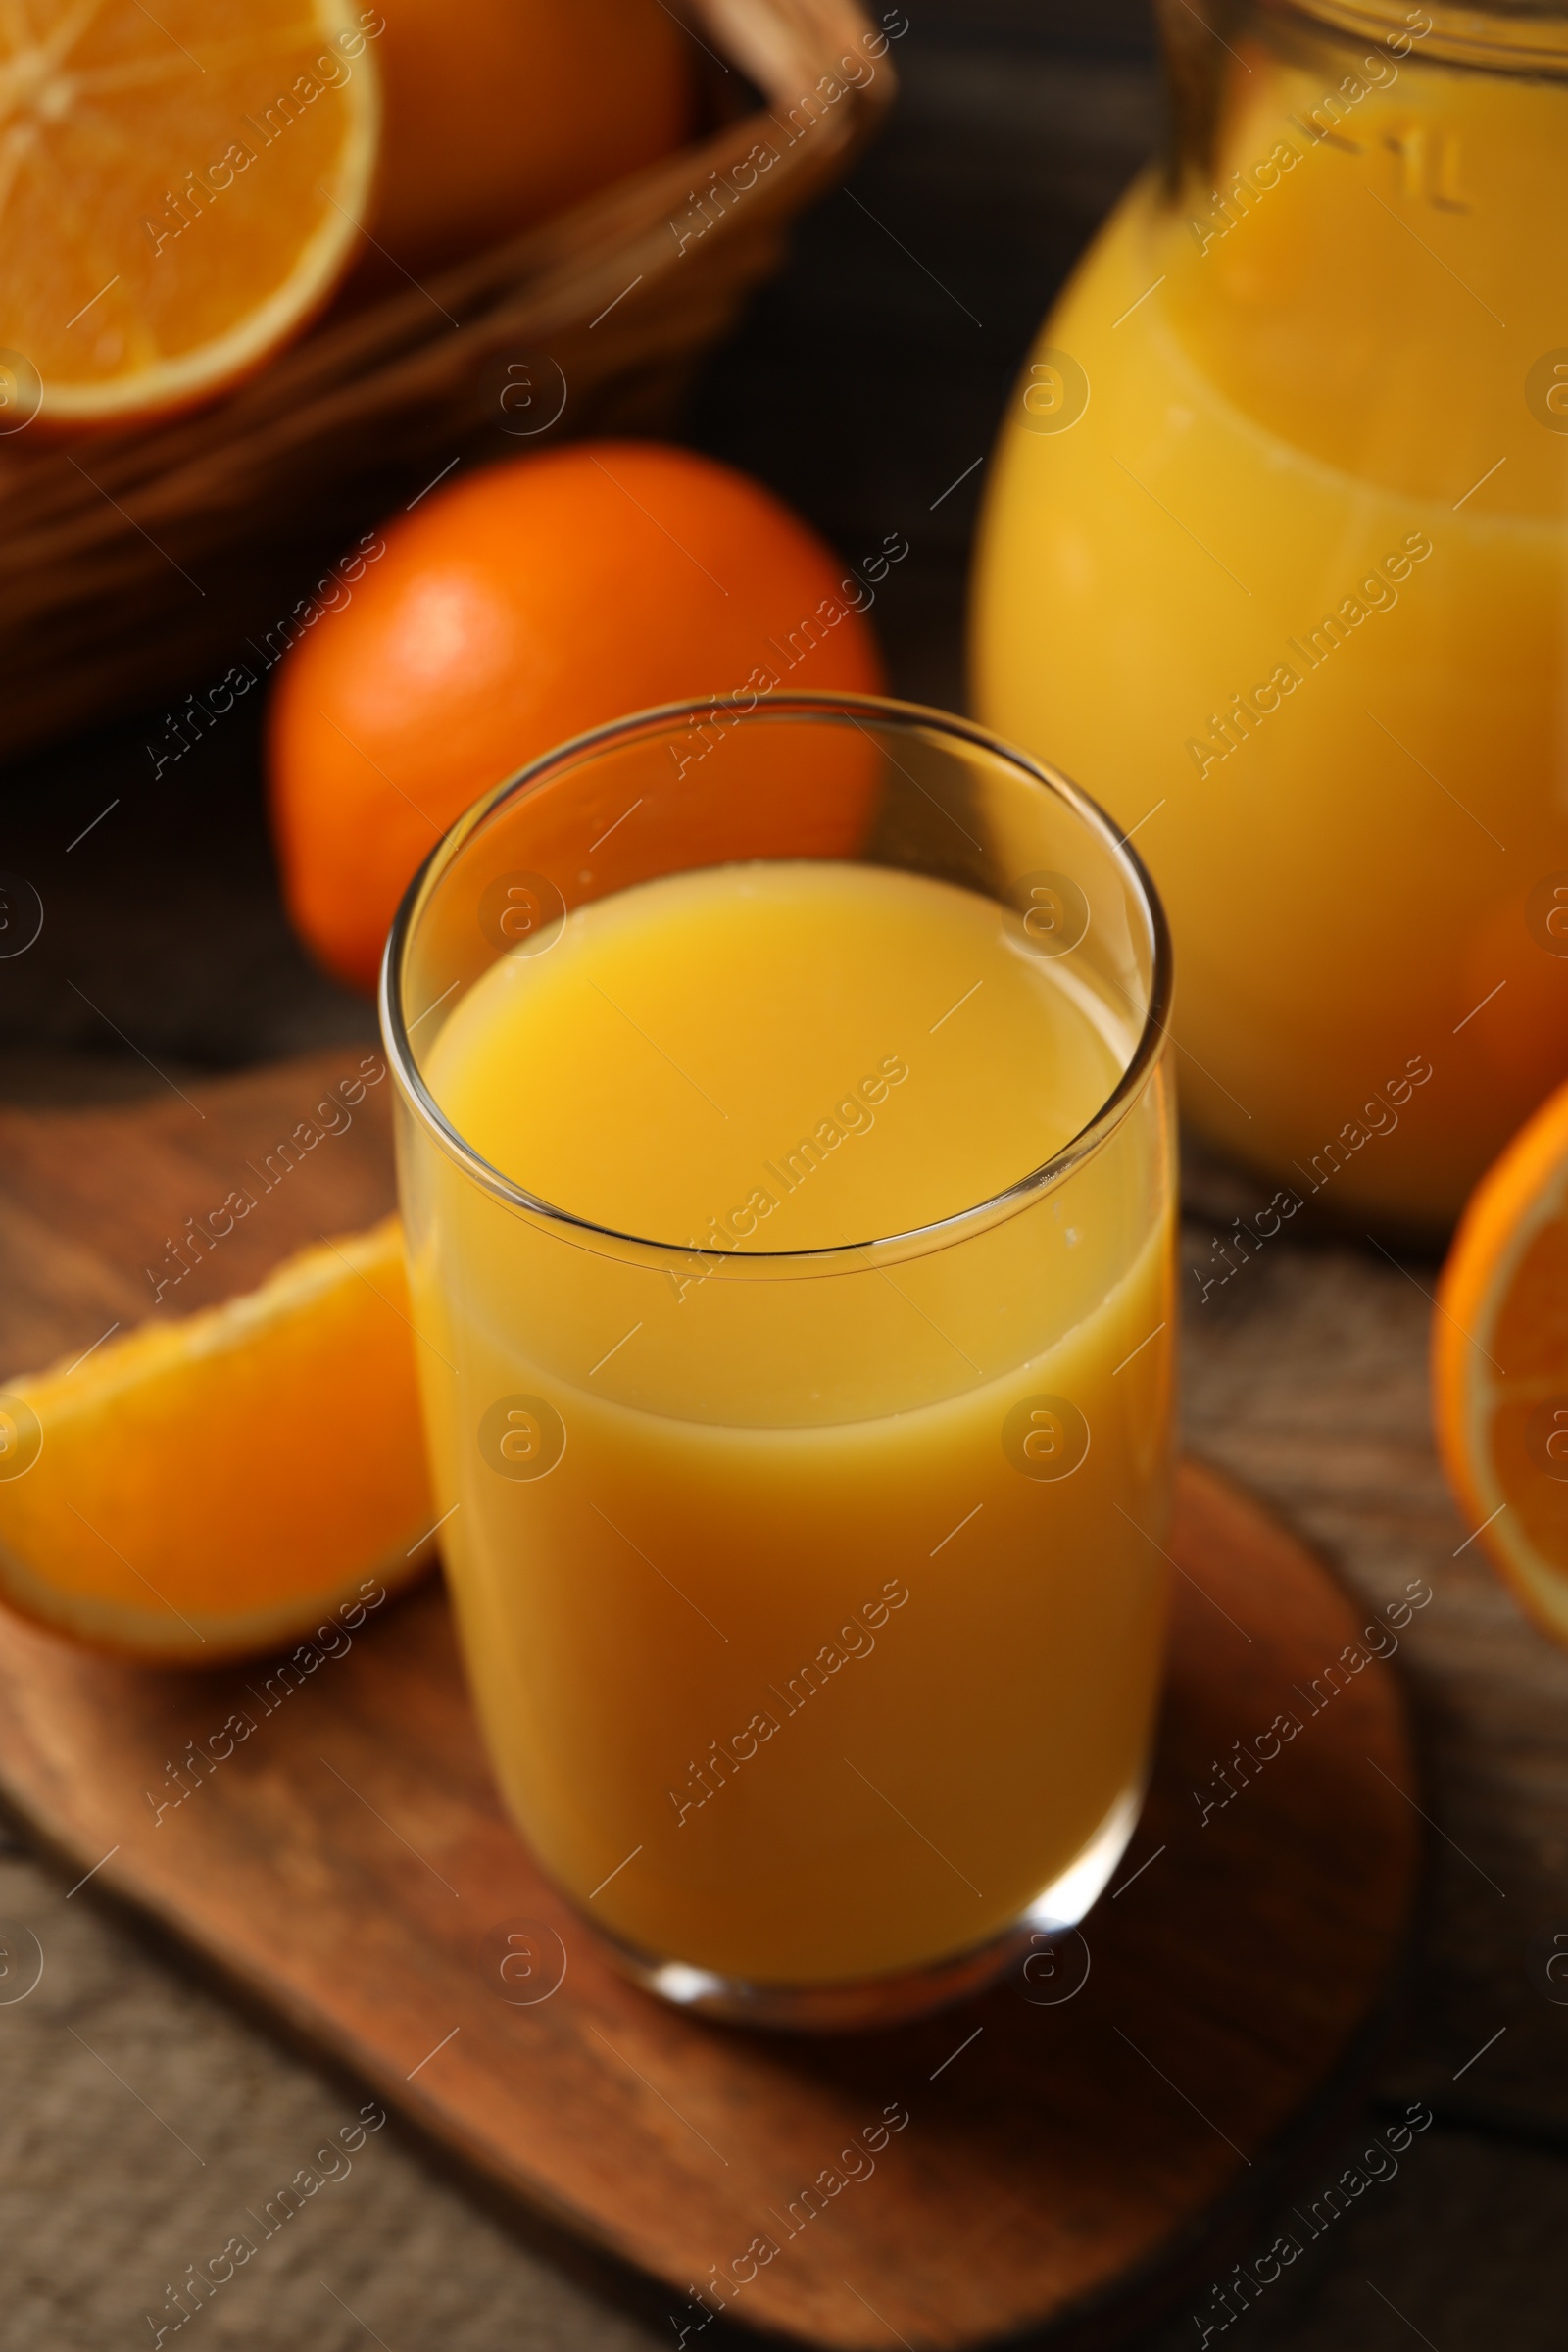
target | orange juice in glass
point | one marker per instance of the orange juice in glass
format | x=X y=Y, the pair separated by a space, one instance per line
x=785 y=1157
x=1275 y=560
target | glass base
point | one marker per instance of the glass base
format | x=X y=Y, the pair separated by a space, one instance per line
x=868 y=2002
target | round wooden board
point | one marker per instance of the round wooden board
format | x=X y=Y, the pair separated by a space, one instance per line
x=1076 y=2148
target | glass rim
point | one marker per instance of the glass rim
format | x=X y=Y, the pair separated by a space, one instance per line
x=838 y=1257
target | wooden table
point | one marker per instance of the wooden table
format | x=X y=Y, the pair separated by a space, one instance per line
x=142 y=2114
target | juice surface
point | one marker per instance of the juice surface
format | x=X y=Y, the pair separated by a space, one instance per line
x=799 y=1655
x=1290 y=597
x=724 y=1055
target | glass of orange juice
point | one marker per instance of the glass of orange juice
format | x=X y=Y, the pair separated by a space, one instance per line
x=786 y=1163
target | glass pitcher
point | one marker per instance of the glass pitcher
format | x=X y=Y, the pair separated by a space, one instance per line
x=1274 y=559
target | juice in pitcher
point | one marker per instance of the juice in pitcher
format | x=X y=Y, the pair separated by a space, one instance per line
x=1275 y=558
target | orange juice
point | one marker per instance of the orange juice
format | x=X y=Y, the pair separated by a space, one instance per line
x=813 y=1595
x=1275 y=563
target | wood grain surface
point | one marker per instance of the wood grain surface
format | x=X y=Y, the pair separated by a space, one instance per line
x=1056 y=2151
x=98 y=1208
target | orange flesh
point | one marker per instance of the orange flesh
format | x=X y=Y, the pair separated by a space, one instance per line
x=175 y=195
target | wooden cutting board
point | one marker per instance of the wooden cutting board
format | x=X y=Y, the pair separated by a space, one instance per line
x=1102 y=2130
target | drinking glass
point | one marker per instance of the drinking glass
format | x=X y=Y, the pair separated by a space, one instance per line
x=812 y=1601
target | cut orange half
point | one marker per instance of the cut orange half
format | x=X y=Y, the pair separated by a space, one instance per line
x=1501 y=1366
x=205 y=1490
x=179 y=188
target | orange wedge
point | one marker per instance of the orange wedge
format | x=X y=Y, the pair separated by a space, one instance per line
x=205 y=1490
x=1501 y=1366
x=179 y=188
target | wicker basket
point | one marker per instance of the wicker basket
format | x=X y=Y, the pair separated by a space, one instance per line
x=136 y=566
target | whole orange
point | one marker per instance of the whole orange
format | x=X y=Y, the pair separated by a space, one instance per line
x=509 y=611
x=506 y=111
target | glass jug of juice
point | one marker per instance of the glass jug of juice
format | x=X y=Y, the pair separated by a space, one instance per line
x=1274 y=561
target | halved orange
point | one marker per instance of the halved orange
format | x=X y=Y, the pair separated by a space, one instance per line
x=1500 y=1365
x=179 y=188
x=205 y=1490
